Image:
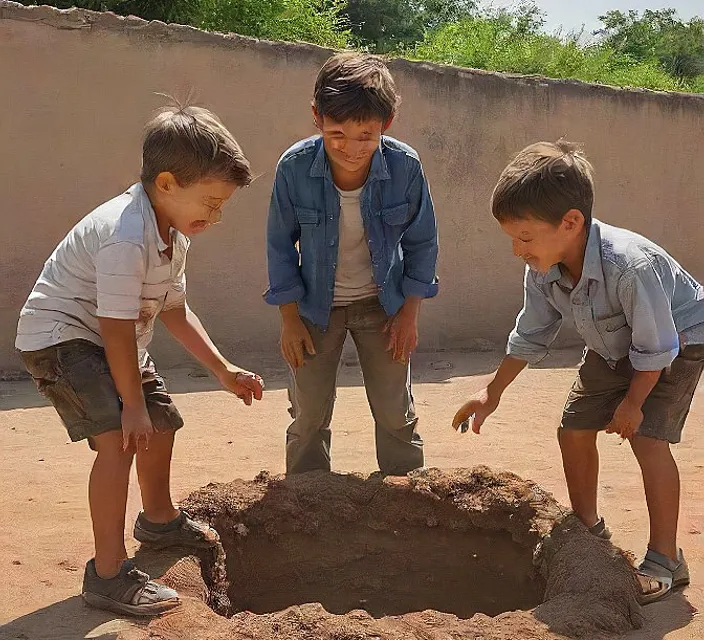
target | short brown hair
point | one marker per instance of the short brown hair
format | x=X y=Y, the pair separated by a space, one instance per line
x=192 y=144
x=355 y=86
x=545 y=181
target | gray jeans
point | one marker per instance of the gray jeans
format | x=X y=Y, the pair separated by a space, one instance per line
x=399 y=447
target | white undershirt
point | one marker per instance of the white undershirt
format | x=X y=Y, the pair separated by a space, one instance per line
x=354 y=279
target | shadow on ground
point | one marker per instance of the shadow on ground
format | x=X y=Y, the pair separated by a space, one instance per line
x=19 y=392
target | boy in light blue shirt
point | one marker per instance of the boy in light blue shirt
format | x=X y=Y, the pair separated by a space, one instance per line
x=642 y=318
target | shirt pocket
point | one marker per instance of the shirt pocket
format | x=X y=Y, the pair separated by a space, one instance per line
x=307 y=217
x=395 y=216
x=615 y=333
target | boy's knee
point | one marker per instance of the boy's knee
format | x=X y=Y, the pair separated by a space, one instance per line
x=109 y=445
x=576 y=437
x=644 y=446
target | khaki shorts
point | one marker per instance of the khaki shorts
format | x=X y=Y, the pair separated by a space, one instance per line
x=599 y=389
x=75 y=377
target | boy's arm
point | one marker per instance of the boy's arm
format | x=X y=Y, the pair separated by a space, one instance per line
x=537 y=326
x=282 y=234
x=420 y=254
x=187 y=328
x=120 y=270
x=646 y=296
x=285 y=284
x=420 y=242
x=482 y=404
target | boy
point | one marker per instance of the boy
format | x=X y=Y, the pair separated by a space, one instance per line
x=352 y=246
x=84 y=330
x=642 y=318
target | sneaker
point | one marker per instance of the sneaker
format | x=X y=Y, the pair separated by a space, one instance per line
x=182 y=531
x=130 y=592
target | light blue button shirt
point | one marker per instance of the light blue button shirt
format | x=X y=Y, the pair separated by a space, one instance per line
x=633 y=299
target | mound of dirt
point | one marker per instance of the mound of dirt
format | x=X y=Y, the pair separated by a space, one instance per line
x=439 y=555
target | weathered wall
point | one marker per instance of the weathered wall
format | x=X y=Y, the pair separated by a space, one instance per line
x=76 y=88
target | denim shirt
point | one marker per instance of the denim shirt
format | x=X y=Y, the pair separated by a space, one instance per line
x=398 y=217
x=633 y=299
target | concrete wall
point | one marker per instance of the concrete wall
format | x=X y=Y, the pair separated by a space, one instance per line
x=76 y=88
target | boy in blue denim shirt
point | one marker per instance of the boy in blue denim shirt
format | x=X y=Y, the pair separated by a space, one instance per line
x=352 y=246
x=642 y=318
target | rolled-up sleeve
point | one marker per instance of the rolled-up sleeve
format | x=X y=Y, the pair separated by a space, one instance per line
x=283 y=231
x=646 y=295
x=120 y=270
x=537 y=324
x=420 y=241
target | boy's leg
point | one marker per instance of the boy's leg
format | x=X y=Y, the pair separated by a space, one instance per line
x=661 y=480
x=107 y=495
x=590 y=406
x=161 y=524
x=580 y=461
x=665 y=413
x=154 y=475
x=399 y=447
x=313 y=394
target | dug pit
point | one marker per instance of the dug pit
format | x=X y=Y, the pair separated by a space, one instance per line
x=439 y=554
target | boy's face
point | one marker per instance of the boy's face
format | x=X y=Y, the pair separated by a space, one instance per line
x=542 y=245
x=192 y=209
x=350 y=145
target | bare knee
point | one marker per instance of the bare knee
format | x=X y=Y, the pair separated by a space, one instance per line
x=648 y=449
x=576 y=438
x=109 y=447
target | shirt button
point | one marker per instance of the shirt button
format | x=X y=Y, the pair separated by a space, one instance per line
x=332 y=243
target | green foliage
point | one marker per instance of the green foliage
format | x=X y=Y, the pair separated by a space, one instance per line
x=657 y=36
x=513 y=42
x=386 y=25
x=180 y=11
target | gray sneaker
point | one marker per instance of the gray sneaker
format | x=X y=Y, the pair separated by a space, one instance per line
x=130 y=592
x=182 y=531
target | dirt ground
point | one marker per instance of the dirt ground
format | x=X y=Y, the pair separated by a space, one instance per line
x=45 y=535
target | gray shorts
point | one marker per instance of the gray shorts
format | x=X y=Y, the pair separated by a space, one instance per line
x=75 y=377
x=599 y=389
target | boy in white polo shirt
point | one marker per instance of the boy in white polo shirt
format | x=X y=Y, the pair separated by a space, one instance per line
x=83 y=333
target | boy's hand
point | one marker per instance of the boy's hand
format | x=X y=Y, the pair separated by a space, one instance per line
x=403 y=331
x=137 y=428
x=479 y=407
x=626 y=420
x=295 y=337
x=244 y=384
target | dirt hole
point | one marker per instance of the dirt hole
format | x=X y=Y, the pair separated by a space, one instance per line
x=383 y=572
x=390 y=547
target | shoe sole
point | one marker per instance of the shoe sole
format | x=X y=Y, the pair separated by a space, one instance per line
x=142 y=610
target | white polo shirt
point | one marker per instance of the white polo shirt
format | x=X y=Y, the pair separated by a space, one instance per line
x=111 y=265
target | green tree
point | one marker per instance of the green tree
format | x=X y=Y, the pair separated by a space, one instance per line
x=180 y=11
x=513 y=41
x=316 y=21
x=387 y=25
x=657 y=36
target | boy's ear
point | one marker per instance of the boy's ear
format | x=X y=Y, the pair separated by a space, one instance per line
x=165 y=182
x=574 y=220
x=317 y=118
x=387 y=124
